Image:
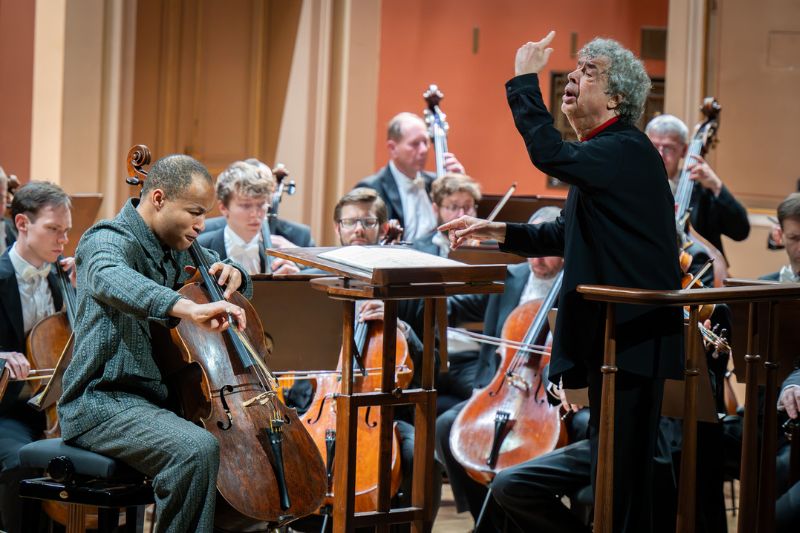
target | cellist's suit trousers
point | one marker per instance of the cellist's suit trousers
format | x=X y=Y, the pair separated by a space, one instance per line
x=180 y=457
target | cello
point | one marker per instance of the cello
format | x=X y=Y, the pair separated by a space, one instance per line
x=320 y=419
x=510 y=421
x=270 y=469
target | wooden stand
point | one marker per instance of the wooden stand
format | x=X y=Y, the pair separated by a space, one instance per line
x=433 y=285
x=757 y=508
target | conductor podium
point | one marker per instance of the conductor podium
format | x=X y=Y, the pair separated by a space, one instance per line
x=389 y=274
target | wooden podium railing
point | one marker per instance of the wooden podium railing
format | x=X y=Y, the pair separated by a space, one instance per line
x=757 y=480
x=433 y=284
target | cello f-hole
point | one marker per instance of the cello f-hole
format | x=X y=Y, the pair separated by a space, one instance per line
x=229 y=424
x=366 y=418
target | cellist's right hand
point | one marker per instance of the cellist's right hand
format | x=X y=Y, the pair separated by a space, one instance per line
x=211 y=316
x=17 y=364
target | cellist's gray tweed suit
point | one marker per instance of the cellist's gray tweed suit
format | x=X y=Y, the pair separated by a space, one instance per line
x=113 y=391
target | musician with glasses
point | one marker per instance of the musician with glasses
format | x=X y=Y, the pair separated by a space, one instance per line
x=714 y=210
x=453 y=195
x=361 y=220
x=402 y=184
x=29 y=292
x=285 y=233
x=243 y=195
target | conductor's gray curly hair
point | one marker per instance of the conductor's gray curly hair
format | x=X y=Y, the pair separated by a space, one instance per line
x=626 y=76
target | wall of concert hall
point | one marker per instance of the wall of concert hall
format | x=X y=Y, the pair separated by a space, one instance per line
x=424 y=42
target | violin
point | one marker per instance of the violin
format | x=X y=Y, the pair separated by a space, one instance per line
x=270 y=469
x=437 y=126
x=704 y=138
x=511 y=421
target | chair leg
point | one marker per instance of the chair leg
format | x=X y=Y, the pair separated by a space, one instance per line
x=107 y=519
x=31 y=511
x=134 y=519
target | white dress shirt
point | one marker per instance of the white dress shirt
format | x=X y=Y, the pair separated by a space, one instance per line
x=244 y=253
x=3 y=243
x=441 y=240
x=34 y=291
x=787 y=275
x=418 y=213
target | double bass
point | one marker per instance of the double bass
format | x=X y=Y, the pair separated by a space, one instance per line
x=437 y=126
x=511 y=421
x=703 y=139
x=270 y=469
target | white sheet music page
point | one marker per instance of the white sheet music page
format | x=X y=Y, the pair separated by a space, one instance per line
x=368 y=258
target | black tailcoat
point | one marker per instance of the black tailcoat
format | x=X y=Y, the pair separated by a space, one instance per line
x=617 y=228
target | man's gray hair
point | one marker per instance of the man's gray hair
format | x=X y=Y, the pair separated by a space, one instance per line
x=668 y=125
x=626 y=76
x=547 y=213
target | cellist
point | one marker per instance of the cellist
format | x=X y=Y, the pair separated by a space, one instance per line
x=129 y=270
x=524 y=282
x=29 y=292
x=243 y=195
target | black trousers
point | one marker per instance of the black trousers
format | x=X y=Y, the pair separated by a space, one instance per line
x=21 y=426
x=530 y=494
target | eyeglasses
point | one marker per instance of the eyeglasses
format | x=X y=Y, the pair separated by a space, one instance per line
x=666 y=149
x=454 y=208
x=366 y=222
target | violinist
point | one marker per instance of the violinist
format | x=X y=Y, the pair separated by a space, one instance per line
x=285 y=233
x=617 y=228
x=8 y=233
x=714 y=210
x=524 y=282
x=29 y=292
x=403 y=184
x=129 y=269
x=243 y=195
x=452 y=195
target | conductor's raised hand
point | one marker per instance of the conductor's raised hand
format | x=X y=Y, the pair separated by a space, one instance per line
x=532 y=57
x=228 y=276
x=466 y=228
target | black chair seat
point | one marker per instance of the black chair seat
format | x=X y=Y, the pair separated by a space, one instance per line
x=39 y=454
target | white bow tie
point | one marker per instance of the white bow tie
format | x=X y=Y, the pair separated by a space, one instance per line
x=31 y=273
x=250 y=248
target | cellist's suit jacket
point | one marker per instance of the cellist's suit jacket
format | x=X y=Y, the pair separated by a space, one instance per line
x=12 y=334
x=617 y=228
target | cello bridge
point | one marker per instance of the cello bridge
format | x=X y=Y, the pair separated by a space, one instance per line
x=515 y=380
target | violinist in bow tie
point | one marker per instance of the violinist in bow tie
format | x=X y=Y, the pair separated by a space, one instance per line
x=29 y=292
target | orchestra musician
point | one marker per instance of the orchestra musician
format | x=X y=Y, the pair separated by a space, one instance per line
x=524 y=282
x=286 y=234
x=714 y=210
x=452 y=195
x=788 y=235
x=617 y=228
x=403 y=184
x=8 y=232
x=129 y=270
x=243 y=193
x=29 y=292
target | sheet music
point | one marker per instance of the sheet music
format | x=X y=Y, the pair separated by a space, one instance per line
x=368 y=258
